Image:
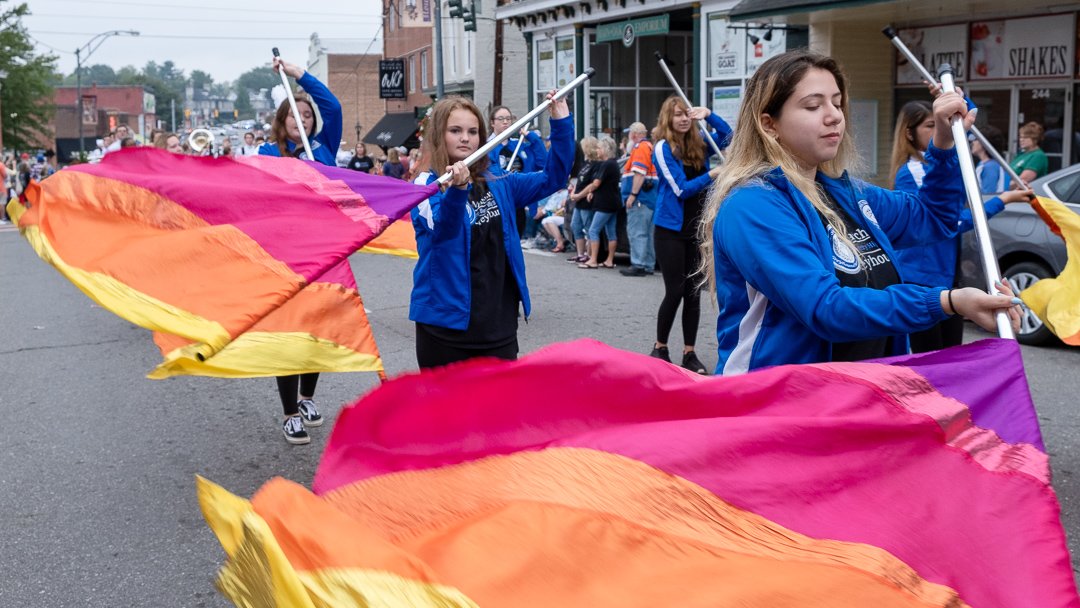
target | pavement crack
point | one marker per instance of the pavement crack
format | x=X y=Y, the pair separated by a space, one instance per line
x=57 y=346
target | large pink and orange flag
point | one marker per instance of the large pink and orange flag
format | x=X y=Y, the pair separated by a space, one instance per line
x=1056 y=301
x=582 y=475
x=239 y=266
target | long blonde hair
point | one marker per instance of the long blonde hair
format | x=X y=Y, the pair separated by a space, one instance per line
x=688 y=147
x=433 y=154
x=753 y=152
x=906 y=136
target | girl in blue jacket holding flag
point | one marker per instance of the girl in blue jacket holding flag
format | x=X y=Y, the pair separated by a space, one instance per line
x=681 y=160
x=323 y=128
x=801 y=255
x=470 y=275
x=933 y=264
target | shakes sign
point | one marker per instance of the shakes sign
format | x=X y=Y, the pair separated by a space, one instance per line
x=392 y=79
x=1021 y=48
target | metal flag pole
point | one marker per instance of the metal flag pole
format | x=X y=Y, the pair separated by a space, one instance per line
x=521 y=122
x=974 y=196
x=517 y=148
x=701 y=123
x=295 y=110
x=890 y=33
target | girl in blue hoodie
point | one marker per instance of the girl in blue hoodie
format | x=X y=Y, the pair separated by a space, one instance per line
x=470 y=275
x=801 y=256
x=323 y=128
x=933 y=264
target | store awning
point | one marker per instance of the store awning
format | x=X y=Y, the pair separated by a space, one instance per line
x=393 y=130
x=760 y=9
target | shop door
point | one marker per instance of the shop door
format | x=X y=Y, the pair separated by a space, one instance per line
x=1046 y=106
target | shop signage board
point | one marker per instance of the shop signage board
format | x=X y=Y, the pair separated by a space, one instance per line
x=1024 y=49
x=733 y=56
x=545 y=64
x=392 y=79
x=933 y=46
x=628 y=31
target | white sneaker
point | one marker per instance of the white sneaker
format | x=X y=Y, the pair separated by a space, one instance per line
x=293 y=429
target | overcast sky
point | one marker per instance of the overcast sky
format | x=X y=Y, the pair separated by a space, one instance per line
x=224 y=38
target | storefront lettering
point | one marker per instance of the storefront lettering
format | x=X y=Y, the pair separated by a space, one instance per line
x=956 y=59
x=1039 y=61
x=726 y=62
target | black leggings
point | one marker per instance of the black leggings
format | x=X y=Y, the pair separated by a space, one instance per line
x=432 y=352
x=678 y=257
x=287 y=389
x=949 y=332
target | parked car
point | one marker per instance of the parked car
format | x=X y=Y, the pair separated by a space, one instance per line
x=1025 y=248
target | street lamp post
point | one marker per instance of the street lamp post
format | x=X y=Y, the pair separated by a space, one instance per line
x=357 y=133
x=90 y=47
x=14 y=128
x=3 y=75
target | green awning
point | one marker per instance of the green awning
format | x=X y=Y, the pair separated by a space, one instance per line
x=760 y=9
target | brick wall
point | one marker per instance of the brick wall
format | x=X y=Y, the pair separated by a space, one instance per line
x=403 y=43
x=354 y=79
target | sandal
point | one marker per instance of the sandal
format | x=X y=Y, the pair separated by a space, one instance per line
x=590 y=267
x=612 y=265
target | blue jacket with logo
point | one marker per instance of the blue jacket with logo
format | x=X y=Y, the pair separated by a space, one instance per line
x=935 y=264
x=533 y=153
x=442 y=287
x=324 y=145
x=780 y=300
x=674 y=188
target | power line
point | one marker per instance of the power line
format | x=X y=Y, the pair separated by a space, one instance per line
x=249 y=11
x=221 y=37
x=49 y=46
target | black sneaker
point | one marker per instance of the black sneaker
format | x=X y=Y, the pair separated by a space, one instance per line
x=309 y=412
x=294 y=431
x=634 y=271
x=661 y=352
x=692 y=363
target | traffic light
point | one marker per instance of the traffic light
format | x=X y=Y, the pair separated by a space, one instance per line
x=469 y=17
x=456 y=10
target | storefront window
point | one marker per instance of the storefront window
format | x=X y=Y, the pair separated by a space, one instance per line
x=671 y=47
x=1046 y=106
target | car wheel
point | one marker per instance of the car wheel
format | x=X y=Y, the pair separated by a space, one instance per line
x=1023 y=275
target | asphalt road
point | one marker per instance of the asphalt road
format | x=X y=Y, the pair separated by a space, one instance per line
x=97 y=489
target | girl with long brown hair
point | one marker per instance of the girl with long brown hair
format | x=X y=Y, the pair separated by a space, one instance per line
x=470 y=275
x=800 y=255
x=323 y=128
x=680 y=157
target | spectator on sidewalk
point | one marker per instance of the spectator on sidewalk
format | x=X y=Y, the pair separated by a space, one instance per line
x=639 y=195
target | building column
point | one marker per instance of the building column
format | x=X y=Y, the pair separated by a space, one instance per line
x=530 y=99
x=695 y=52
x=579 y=95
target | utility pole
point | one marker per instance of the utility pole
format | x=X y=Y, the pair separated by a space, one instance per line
x=439 y=86
x=172 y=108
x=496 y=93
x=90 y=48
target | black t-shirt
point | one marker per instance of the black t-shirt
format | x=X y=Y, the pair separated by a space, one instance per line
x=361 y=163
x=585 y=177
x=504 y=159
x=606 y=197
x=493 y=318
x=875 y=271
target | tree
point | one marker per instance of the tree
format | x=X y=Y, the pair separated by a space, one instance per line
x=201 y=80
x=27 y=90
x=256 y=79
x=97 y=73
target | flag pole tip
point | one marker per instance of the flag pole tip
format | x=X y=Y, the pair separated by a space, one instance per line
x=944 y=68
x=590 y=72
x=276 y=53
x=889 y=32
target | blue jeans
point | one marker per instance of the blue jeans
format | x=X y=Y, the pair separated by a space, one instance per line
x=602 y=220
x=580 y=222
x=639 y=231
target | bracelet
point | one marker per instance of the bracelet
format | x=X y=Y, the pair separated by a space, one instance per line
x=634 y=194
x=951 y=305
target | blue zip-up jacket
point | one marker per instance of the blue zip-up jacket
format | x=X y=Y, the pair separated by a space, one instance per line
x=324 y=145
x=674 y=188
x=934 y=265
x=533 y=153
x=780 y=300
x=442 y=287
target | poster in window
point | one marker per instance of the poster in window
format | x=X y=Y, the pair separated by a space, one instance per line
x=726 y=49
x=1039 y=47
x=545 y=64
x=564 y=61
x=725 y=103
x=770 y=44
x=933 y=46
